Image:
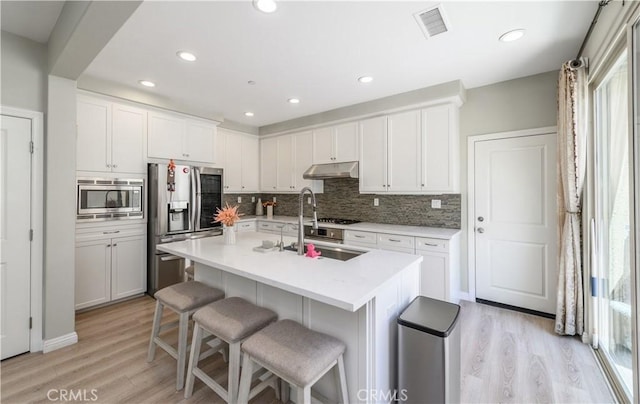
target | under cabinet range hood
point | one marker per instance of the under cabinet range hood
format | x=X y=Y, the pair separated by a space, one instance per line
x=348 y=169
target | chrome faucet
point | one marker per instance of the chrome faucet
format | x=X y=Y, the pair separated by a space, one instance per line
x=300 y=225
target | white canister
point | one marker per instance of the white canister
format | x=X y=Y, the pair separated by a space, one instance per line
x=270 y=212
x=259 y=210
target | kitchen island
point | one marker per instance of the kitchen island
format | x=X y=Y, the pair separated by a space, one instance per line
x=356 y=301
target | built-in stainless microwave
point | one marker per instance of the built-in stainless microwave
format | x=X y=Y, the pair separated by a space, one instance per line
x=110 y=198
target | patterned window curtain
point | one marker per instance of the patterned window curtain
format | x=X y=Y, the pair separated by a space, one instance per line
x=571 y=170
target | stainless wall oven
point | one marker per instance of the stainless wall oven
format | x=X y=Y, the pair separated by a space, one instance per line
x=109 y=198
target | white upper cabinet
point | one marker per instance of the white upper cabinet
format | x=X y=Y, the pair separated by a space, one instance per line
x=373 y=154
x=403 y=152
x=336 y=144
x=111 y=136
x=199 y=141
x=440 y=164
x=283 y=161
x=175 y=137
x=410 y=152
x=240 y=163
x=269 y=164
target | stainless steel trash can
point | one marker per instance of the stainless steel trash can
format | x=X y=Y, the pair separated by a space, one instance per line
x=429 y=352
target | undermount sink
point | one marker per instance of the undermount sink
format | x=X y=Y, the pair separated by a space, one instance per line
x=336 y=253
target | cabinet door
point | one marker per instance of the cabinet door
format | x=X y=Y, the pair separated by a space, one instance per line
x=128 y=266
x=94 y=131
x=284 y=174
x=199 y=142
x=404 y=152
x=373 y=155
x=164 y=139
x=93 y=273
x=346 y=142
x=250 y=168
x=440 y=149
x=128 y=140
x=303 y=155
x=268 y=164
x=220 y=149
x=233 y=166
x=434 y=276
x=323 y=145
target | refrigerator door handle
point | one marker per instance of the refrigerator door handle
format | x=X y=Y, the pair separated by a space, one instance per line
x=195 y=195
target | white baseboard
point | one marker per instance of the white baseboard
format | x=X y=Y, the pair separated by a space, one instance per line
x=465 y=296
x=59 y=342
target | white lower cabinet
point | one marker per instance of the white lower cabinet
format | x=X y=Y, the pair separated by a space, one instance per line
x=440 y=269
x=287 y=229
x=246 y=226
x=110 y=265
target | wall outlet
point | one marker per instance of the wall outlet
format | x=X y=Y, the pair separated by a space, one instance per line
x=274 y=199
x=253 y=199
x=239 y=199
x=436 y=204
x=376 y=202
x=309 y=200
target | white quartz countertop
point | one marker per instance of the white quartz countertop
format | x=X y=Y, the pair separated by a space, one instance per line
x=417 y=231
x=344 y=284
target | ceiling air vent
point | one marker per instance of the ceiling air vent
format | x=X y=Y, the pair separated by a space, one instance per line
x=432 y=21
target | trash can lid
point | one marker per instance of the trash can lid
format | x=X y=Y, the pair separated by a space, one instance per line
x=432 y=316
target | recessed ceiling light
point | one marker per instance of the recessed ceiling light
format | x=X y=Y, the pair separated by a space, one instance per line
x=293 y=101
x=512 y=35
x=147 y=83
x=188 y=56
x=365 y=79
x=248 y=113
x=266 y=6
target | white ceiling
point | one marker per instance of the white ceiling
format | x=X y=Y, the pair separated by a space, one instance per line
x=31 y=19
x=315 y=51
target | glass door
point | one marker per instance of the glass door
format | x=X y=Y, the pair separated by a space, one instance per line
x=613 y=223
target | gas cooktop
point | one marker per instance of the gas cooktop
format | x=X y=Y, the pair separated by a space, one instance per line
x=334 y=220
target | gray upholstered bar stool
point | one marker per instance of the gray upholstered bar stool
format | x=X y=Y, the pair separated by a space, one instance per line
x=231 y=320
x=183 y=298
x=295 y=354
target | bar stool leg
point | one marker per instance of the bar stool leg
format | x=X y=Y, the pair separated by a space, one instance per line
x=245 y=381
x=303 y=394
x=342 y=381
x=155 y=329
x=193 y=360
x=234 y=372
x=182 y=349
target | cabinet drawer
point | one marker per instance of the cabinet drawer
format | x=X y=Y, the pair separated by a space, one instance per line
x=247 y=226
x=273 y=227
x=395 y=241
x=432 y=244
x=101 y=233
x=361 y=237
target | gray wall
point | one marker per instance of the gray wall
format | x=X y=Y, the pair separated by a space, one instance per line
x=524 y=103
x=60 y=173
x=24 y=77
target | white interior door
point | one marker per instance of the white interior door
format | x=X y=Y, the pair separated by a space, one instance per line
x=15 y=246
x=515 y=221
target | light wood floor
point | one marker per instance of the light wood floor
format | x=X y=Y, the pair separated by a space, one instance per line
x=507 y=357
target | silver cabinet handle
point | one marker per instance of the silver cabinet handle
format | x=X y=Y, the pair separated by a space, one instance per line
x=358 y=236
x=430 y=244
x=480 y=219
x=480 y=230
x=114 y=245
x=170 y=258
x=114 y=166
x=111 y=232
x=394 y=240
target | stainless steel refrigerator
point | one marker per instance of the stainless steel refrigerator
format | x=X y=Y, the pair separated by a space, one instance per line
x=182 y=204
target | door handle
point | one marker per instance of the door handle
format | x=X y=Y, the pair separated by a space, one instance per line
x=480 y=219
x=480 y=230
